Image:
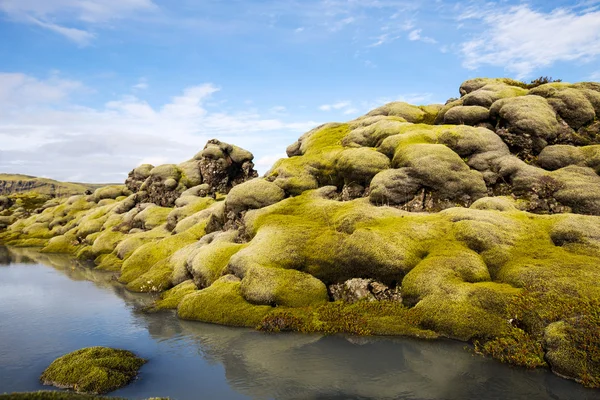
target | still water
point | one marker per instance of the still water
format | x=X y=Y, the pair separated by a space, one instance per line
x=50 y=305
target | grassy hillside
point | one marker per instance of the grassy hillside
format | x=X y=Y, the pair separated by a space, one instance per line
x=16 y=183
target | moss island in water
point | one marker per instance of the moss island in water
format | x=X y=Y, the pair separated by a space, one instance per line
x=477 y=220
x=93 y=370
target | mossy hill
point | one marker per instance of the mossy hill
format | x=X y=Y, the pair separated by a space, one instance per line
x=478 y=220
x=16 y=183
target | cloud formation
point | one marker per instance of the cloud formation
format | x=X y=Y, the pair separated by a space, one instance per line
x=523 y=40
x=42 y=133
x=55 y=14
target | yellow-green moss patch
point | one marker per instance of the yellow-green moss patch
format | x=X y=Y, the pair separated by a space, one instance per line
x=94 y=370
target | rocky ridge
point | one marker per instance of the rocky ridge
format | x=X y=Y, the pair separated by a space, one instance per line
x=476 y=220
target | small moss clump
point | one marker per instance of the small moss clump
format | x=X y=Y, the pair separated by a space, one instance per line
x=94 y=370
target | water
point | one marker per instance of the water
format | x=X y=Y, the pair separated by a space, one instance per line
x=50 y=306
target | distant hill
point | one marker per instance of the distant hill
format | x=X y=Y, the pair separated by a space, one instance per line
x=16 y=183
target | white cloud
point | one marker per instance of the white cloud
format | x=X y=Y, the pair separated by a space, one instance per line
x=415 y=35
x=336 y=106
x=79 y=36
x=93 y=11
x=594 y=76
x=351 y=111
x=52 y=137
x=53 y=14
x=523 y=40
x=278 y=110
x=18 y=89
x=141 y=85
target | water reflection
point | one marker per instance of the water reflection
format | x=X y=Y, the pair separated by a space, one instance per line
x=189 y=360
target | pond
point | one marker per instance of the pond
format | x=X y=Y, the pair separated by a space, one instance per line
x=50 y=305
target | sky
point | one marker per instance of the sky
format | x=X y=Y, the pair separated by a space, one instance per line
x=90 y=89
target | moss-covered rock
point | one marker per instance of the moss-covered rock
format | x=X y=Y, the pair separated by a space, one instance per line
x=110 y=192
x=94 y=370
x=256 y=193
x=467 y=115
x=222 y=303
x=282 y=287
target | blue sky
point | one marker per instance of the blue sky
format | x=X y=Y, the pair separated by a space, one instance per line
x=91 y=88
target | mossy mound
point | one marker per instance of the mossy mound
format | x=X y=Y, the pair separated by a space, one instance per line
x=222 y=303
x=94 y=370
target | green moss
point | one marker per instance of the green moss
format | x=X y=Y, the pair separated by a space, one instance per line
x=187 y=206
x=221 y=303
x=133 y=241
x=110 y=192
x=172 y=297
x=570 y=103
x=53 y=395
x=152 y=216
x=282 y=287
x=317 y=164
x=148 y=268
x=360 y=318
x=371 y=131
x=94 y=370
x=255 y=193
x=108 y=262
x=401 y=109
x=527 y=115
x=27 y=242
x=361 y=165
x=107 y=241
x=210 y=261
x=468 y=115
x=62 y=244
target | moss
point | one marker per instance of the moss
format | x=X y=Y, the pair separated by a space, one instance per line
x=148 y=268
x=151 y=217
x=210 y=261
x=527 y=115
x=401 y=109
x=28 y=242
x=570 y=103
x=135 y=240
x=62 y=244
x=166 y=171
x=468 y=115
x=53 y=395
x=475 y=84
x=94 y=370
x=255 y=193
x=317 y=164
x=361 y=165
x=110 y=192
x=172 y=297
x=187 y=206
x=281 y=287
x=108 y=262
x=360 y=318
x=371 y=131
x=107 y=242
x=221 y=303
x=492 y=92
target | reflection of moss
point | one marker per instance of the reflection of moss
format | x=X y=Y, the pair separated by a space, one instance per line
x=93 y=370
